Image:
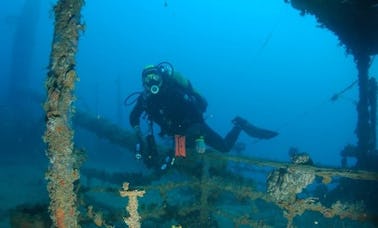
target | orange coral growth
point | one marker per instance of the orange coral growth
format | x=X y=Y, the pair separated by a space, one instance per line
x=59 y=217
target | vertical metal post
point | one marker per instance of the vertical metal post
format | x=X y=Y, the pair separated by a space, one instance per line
x=363 y=126
x=60 y=84
x=373 y=115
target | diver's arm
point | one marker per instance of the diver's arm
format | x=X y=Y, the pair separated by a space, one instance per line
x=198 y=101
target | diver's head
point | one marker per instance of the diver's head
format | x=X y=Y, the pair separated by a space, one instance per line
x=153 y=76
x=152 y=80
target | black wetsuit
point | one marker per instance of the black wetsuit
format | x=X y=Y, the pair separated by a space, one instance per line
x=180 y=111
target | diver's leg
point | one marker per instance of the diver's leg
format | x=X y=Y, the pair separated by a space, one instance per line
x=252 y=130
x=214 y=140
x=232 y=136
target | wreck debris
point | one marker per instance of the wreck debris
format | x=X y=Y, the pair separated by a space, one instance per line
x=133 y=220
x=285 y=184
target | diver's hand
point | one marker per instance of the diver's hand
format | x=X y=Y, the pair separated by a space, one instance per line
x=139 y=146
x=200 y=145
x=138 y=151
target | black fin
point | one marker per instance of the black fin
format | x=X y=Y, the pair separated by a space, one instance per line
x=252 y=130
x=257 y=132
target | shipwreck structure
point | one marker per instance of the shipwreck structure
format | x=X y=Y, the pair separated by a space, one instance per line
x=355 y=23
x=213 y=193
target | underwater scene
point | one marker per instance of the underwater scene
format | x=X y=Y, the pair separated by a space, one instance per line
x=186 y=114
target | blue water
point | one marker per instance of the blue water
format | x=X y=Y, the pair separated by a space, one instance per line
x=258 y=59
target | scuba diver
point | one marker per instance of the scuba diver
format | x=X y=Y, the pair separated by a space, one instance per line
x=170 y=101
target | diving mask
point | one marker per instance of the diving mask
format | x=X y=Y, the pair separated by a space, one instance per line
x=153 y=76
x=153 y=82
